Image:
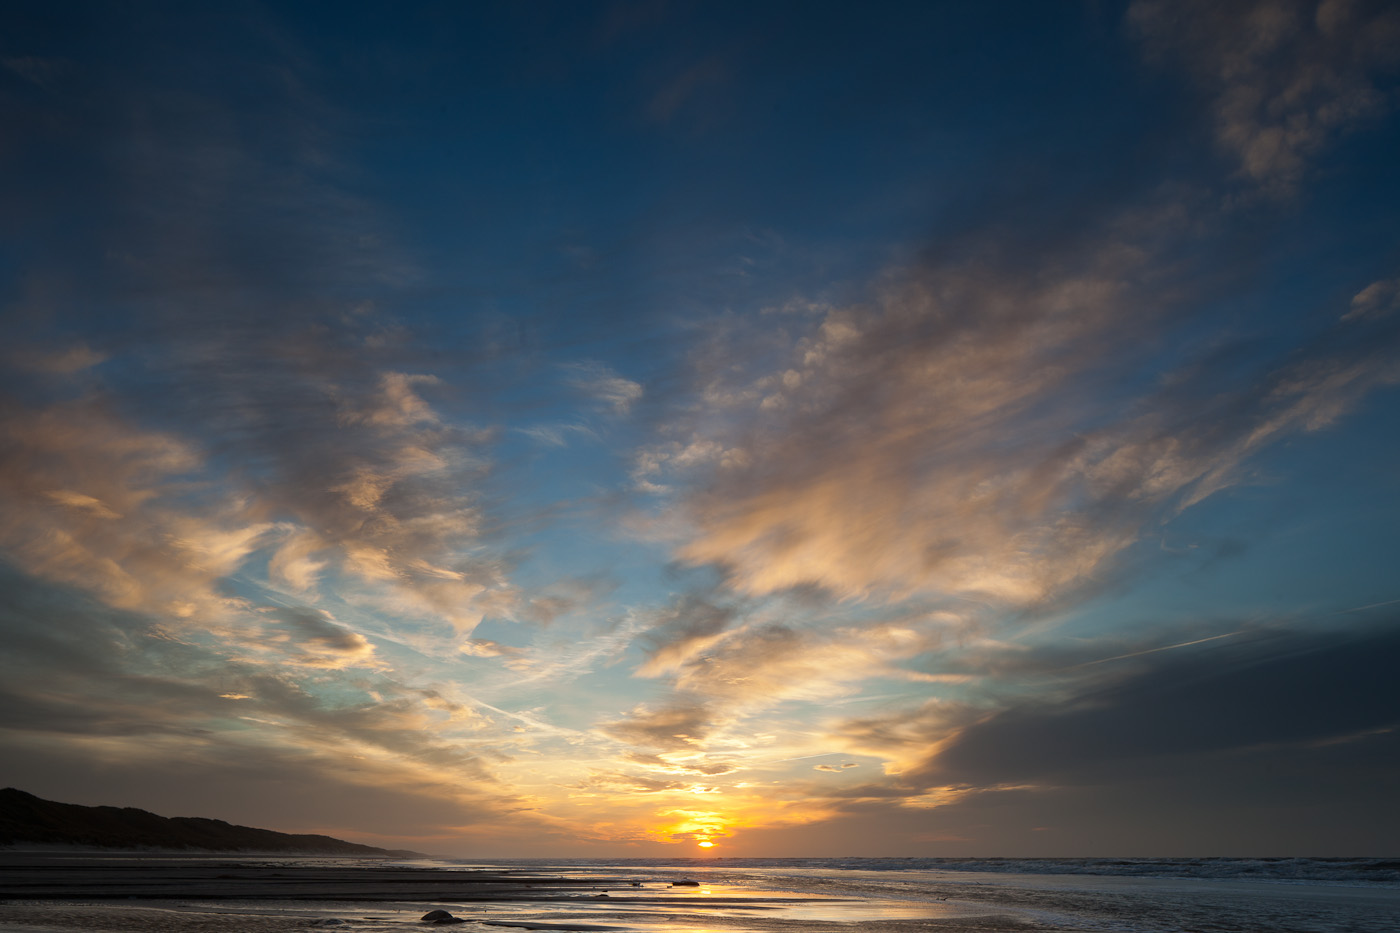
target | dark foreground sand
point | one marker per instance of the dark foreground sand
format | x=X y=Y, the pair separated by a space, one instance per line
x=45 y=876
x=109 y=918
x=48 y=891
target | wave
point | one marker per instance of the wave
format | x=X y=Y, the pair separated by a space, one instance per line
x=1350 y=871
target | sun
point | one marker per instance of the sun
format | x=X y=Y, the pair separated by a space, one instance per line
x=706 y=844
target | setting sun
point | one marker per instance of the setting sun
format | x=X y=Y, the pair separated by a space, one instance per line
x=706 y=844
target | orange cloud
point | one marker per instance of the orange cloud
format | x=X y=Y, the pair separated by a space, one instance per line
x=975 y=432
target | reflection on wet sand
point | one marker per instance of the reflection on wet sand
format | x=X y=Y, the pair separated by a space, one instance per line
x=267 y=895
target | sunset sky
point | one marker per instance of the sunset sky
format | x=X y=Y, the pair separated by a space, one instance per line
x=608 y=428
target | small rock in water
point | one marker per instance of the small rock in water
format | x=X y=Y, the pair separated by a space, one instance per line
x=441 y=916
x=688 y=884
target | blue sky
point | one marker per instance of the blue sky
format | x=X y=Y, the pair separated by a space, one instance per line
x=612 y=428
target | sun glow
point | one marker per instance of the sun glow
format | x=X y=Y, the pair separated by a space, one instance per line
x=706 y=844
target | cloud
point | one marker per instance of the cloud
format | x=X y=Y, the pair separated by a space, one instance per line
x=293 y=789
x=1375 y=300
x=548 y=603
x=380 y=489
x=91 y=499
x=371 y=492
x=320 y=642
x=606 y=386
x=764 y=664
x=1220 y=735
x=571 y=648
x=485 y=648
x=678 y=726
x=251 y=346
x=683 y=763
x=877 y=457
x=902 y=736
x=983 y=430
x=726 y=683
x=80 y=675
x=1231 y=705
x=557 y=435
x=1232 y=697
x=689 y=624
x=65 y=362
x=617 y=782
x=1285 y=77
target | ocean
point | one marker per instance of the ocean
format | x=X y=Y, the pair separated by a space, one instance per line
x=728 y=895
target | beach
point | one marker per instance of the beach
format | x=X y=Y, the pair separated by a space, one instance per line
x=225 y=894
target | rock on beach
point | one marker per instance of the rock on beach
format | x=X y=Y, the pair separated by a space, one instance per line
x=440 y=916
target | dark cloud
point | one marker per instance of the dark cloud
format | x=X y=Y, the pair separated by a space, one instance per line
x=1263 y=739
x=1331 y=800
x=1296 y=689
x=1272 y=741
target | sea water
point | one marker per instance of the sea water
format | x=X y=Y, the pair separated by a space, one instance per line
x=1220 y=895
x=865 y=895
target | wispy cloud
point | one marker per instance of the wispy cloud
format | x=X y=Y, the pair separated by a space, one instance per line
x=615 y=392
x=1375 y=300
x=982 y=431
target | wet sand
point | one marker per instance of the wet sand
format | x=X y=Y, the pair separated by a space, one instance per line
x=55 y=916
x=46 y=892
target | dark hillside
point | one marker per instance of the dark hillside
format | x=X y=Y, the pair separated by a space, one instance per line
x=26 y=819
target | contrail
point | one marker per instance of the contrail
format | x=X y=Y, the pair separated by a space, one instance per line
x=1388 y=602
x=803 y=757
x=1135 y=654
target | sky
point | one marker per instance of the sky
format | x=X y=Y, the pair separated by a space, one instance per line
x=681 y=428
